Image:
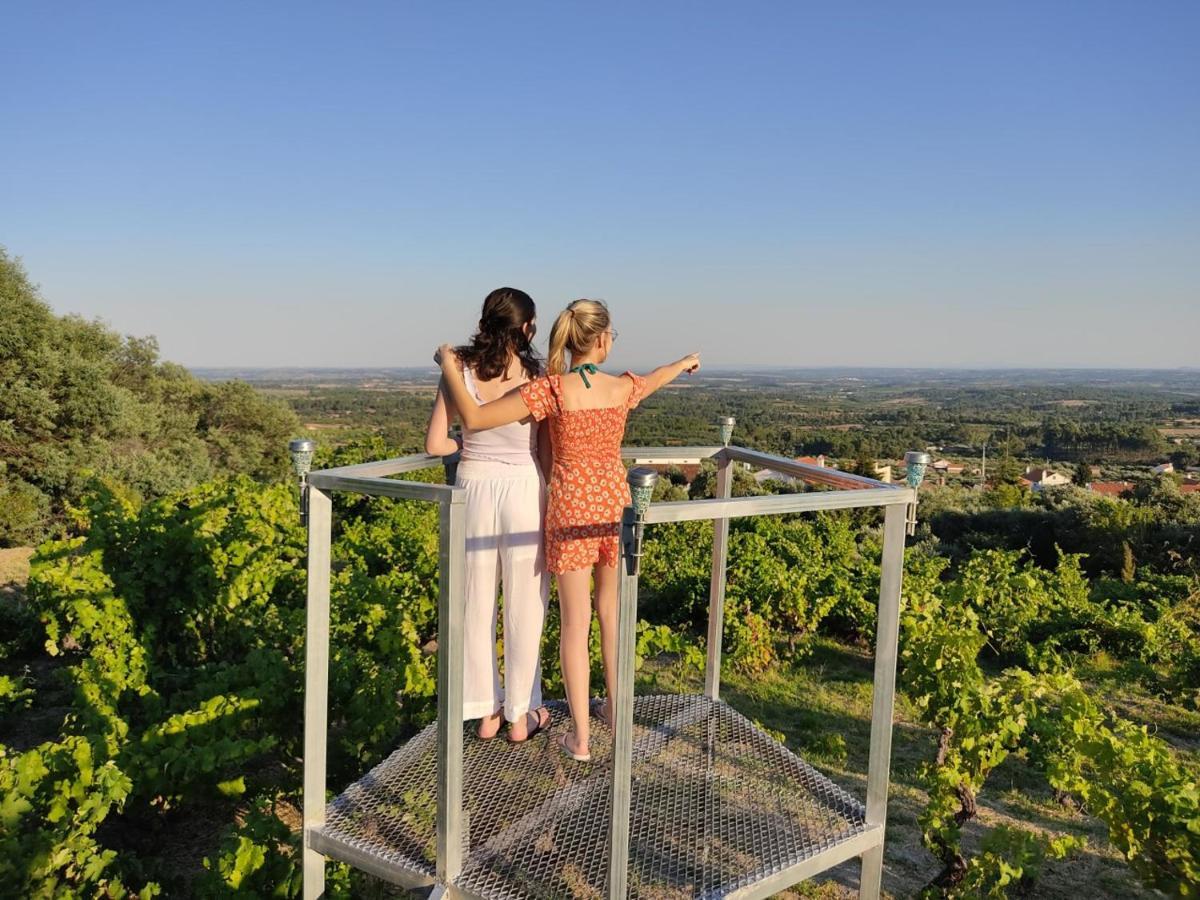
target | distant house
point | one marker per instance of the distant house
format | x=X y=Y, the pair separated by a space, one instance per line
x=1111 y=488
x=945 y=467
x=768 y=475
x=1038 y=478
x=1164 y=469
x=883 y=473
x=1190 y=487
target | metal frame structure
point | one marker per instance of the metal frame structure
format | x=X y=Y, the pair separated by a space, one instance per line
x=443 y=879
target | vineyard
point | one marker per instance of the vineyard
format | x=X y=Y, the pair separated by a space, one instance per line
x=154 y=675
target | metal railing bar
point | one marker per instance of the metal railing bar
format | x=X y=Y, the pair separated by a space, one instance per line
x=806 y=471
x=851 y=847
x=452 y=566
x=382 y=467
x=316 y=682
x=385 y=487
x=716 y=585
x=680 y=456
x=395 y=872
x=773 y=504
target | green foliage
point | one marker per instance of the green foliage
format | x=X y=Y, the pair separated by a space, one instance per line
x=785 y=578
x=1010 y=860
x=78 y=400
x=1121 y=774
x=52 y=800
x=260 y=858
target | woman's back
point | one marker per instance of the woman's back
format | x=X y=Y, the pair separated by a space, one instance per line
x=601 y=391
x=515 y=443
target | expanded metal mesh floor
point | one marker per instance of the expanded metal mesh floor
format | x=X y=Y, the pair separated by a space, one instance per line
x=717 y=805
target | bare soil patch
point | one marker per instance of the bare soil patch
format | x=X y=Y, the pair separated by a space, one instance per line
x=14 y=569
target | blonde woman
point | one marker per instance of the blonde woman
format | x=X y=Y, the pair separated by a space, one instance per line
x=587 y=410
x=506 y=491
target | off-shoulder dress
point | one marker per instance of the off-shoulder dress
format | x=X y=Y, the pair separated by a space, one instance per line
x=588 y=491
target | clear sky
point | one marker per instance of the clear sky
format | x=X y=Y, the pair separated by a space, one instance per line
x=953 y=184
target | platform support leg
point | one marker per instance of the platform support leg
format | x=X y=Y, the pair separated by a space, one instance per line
x=451 y=609
x=887 y=632
x=316 y=683
x=622 y=771
x=716 y=591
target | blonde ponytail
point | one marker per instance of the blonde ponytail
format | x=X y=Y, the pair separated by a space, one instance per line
x=575 y=330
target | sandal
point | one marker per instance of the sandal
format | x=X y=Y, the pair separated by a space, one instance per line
x=542 y=723
x=596 y=708
x=561 y=743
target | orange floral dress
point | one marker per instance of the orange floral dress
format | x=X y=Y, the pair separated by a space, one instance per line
x=588 y=491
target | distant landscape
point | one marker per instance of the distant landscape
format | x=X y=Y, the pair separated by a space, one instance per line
x=152 y=600
x=1121 y=420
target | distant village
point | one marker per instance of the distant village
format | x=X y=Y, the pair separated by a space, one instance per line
x=1036 y=478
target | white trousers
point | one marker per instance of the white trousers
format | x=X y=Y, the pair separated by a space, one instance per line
x=506 y=505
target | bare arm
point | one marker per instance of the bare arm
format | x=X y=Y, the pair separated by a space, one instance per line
x=501 y=411
x=437 y=441
x=664 y=375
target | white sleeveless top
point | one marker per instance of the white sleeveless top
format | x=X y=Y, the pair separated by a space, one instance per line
x=514 y=443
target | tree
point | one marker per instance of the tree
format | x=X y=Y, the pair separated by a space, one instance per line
x=1007 y=471
x=1185 y=455
x=78 y=400
x=1083 y=474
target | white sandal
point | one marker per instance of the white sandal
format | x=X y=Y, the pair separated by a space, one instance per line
x=561 y=741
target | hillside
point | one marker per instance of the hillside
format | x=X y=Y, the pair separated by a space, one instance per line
x=79 y=402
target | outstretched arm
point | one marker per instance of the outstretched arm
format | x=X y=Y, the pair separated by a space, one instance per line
x=437 y=441
x=501 y=411
x=664 y=375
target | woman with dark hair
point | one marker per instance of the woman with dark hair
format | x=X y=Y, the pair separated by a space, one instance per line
x=502 y=470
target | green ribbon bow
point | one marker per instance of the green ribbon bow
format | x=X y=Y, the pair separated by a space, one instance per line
x=584 y=370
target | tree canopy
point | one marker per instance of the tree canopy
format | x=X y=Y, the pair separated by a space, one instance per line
x=78 y=400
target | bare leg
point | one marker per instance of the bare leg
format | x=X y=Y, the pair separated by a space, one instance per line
x=575 y=605
x=607 y=583
x=489 y=726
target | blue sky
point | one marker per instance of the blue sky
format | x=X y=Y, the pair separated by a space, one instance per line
x=773 y=183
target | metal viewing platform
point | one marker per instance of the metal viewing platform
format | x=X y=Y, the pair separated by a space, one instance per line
x=683 y=798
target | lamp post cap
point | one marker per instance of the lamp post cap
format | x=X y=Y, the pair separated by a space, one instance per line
x=726 y=420
x=301 y=445
x=641 y=476
x=917 y=458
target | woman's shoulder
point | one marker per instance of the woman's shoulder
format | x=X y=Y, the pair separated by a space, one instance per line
x=619 y=387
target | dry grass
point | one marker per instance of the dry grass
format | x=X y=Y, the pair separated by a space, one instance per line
x=14 y=569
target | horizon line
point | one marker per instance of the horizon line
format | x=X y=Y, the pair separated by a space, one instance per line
x=735 y=367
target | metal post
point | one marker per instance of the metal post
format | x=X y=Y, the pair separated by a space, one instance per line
x=641 y=483
x=887 y=630
x=452 y=560
x=622 y=771
x=316 y=683
x=716 y=590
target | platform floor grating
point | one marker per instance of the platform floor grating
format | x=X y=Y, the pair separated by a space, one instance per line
x=717 y=805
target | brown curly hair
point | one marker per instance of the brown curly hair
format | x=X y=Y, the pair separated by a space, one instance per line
x=506 y=312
